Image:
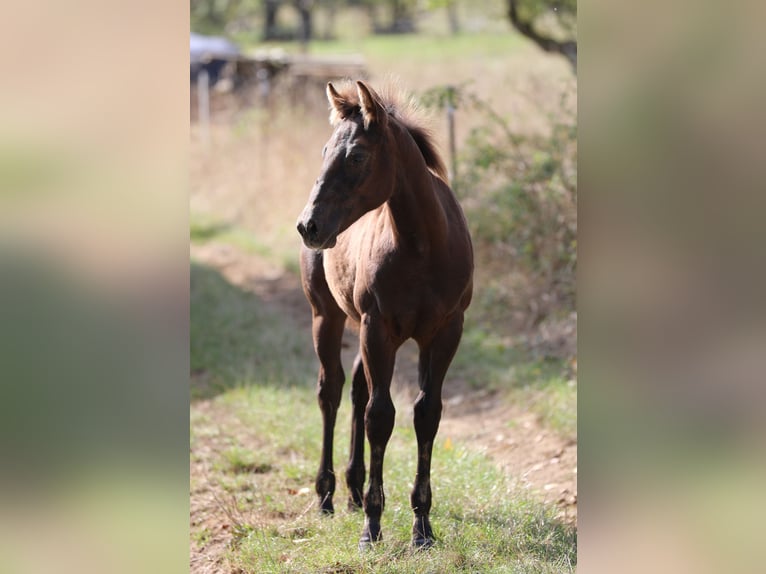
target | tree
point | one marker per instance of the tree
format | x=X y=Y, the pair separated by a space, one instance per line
x=270 y=8
x=450 y=7
x=401 y=15
x=305 y=8
x=551 y=24
x=224 y=17
x=305 y=31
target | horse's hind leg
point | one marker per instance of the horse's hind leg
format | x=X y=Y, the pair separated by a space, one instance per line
x=328 y=322
x=435 y=358
x=355 y=472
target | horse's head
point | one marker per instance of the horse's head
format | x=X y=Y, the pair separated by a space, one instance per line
x=357 y=174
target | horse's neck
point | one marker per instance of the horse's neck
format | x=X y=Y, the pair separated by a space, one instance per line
x=417 y=214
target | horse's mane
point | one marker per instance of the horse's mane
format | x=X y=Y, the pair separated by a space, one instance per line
x=406 y=111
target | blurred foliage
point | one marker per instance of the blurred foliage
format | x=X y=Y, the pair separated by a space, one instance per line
x=215 y=16
x=519 y=192
x=557 y=17
x=234 y=16
x=554 y=19
x=238 y=17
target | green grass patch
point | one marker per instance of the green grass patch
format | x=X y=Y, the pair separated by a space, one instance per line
x=277 y=249
x=236 y=338
x=483 y=522
x=555 y=402
x=488 y=360
x=203 y=229
x=239 y=460
x=390 y=49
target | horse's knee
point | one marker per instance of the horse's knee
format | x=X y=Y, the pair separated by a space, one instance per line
x=420 y=496
x=379 y=419
x=427 y=414
x=329 y=390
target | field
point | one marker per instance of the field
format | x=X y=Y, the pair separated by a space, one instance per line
x=504 y=473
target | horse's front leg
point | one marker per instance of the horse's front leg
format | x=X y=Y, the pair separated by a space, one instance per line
x=355 y=472
x=378 y=354
x=435 y=358
x=328 y=333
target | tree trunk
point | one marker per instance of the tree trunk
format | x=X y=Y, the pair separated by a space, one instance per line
x=270 y=19
x=372 y=14
x=329 y=30
x=403 y=20
x=454 y=23
x=568 y=48
x=306 y=32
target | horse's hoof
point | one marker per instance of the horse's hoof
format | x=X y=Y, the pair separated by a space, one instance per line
x=366 y=544
x=370 y=535
x=420 y=543
x=326 y=508
x=422 y=535
x=353 y=505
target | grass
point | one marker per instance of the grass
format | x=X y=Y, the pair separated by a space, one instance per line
x=206 y=228
x=243 y=461
x=235 y=338
x=482 y=520
x=385 y=50
x=488 y=359
x=513 y=536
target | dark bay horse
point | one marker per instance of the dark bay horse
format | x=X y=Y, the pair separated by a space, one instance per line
x=387 y=246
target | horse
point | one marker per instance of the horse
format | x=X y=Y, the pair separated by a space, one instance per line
x=386 y=246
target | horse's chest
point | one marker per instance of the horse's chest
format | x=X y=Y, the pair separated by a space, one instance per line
x=341 y=279
x=387 y=285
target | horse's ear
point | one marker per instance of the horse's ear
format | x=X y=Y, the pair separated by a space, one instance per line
x=340 y=105
x=372 y=110
x=335 y=99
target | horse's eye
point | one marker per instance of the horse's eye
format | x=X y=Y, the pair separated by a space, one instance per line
x=355 y=158
x=324 y=151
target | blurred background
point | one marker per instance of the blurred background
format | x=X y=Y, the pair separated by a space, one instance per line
x=97 y=167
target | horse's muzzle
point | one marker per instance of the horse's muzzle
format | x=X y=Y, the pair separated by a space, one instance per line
x=311 y=236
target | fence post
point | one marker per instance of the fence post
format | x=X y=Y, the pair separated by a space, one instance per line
x=203 y=104
x=450 y=96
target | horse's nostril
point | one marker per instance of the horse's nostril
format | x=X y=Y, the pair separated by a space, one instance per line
x=309 y=230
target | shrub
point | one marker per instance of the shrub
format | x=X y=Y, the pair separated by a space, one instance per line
x=519 y=192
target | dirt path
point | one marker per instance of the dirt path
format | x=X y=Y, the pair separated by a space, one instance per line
x=538 y=458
